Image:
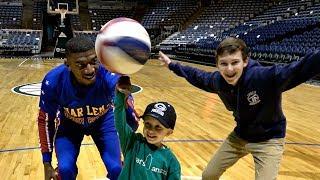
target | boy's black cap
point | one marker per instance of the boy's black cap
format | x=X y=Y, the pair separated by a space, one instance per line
x=163 y=112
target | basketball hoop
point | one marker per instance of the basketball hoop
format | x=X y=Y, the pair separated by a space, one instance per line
x=54 y=6
x=63 y=13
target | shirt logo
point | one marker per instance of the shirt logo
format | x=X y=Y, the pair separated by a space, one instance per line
x=253 y=98
x=90 y=112
x=147 y=163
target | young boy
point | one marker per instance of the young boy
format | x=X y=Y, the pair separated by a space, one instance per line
x=253 y=92
x=145 y=157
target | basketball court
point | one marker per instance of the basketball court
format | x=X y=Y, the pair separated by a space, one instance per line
x=203 y=123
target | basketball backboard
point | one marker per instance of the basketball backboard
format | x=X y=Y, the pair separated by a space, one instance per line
x=55 y=6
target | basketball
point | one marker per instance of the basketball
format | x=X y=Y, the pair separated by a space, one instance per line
x=123 y=46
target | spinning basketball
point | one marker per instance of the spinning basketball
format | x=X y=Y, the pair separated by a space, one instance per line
x=123 y=45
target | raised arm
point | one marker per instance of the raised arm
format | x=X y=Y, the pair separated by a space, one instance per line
x=295 y=73
x=125 y=132
x=199 y=78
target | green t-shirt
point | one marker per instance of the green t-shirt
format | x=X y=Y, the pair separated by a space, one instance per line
x=142 y=160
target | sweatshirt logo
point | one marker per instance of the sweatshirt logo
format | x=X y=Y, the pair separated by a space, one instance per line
x=253 y=98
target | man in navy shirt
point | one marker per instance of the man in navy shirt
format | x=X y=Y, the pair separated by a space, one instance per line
x=76 y=100
x=253 y=93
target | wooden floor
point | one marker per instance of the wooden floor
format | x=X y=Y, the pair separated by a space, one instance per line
x=203 y=122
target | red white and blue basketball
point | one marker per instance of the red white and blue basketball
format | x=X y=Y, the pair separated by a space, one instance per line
x=123 y=46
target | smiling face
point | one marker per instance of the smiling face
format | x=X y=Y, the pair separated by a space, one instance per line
x=232 y=56
x=84 y=66
x=231 y=66
x=154 y=131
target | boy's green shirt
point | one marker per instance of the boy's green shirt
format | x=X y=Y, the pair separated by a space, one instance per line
x=142 y=160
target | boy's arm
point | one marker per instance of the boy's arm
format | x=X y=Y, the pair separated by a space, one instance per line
x=199 y=78
x=130 y=103
x=124 y=131
x=132 y=116
x=295 y=73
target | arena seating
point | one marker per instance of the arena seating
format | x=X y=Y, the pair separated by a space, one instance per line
x=39 y=6
x=167 y=17
x=280 y=34
x=20 y=42
x=279 y=31
x=169 y=12
x=218 y=17
x=11 y=14
x=75 y=22
x=101 y=16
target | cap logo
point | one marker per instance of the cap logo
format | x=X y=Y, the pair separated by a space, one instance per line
x=159 y=108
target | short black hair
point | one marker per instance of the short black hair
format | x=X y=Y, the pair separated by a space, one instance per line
x=78 y=44
x=231 y=45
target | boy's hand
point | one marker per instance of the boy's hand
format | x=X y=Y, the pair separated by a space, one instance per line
x=124 y=85
x=164 y=58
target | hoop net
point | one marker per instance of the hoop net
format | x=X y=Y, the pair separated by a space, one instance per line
x=63 y=13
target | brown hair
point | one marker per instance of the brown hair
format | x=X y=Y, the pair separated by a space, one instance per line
x=231 y=45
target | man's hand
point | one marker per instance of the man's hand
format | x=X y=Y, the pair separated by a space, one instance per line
x=49 y=172
x=164 y=58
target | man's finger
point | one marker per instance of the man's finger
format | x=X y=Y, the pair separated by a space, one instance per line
x=55 y=175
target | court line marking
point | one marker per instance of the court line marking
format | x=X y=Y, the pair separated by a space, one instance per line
x=317 y=145
x=23 y=62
